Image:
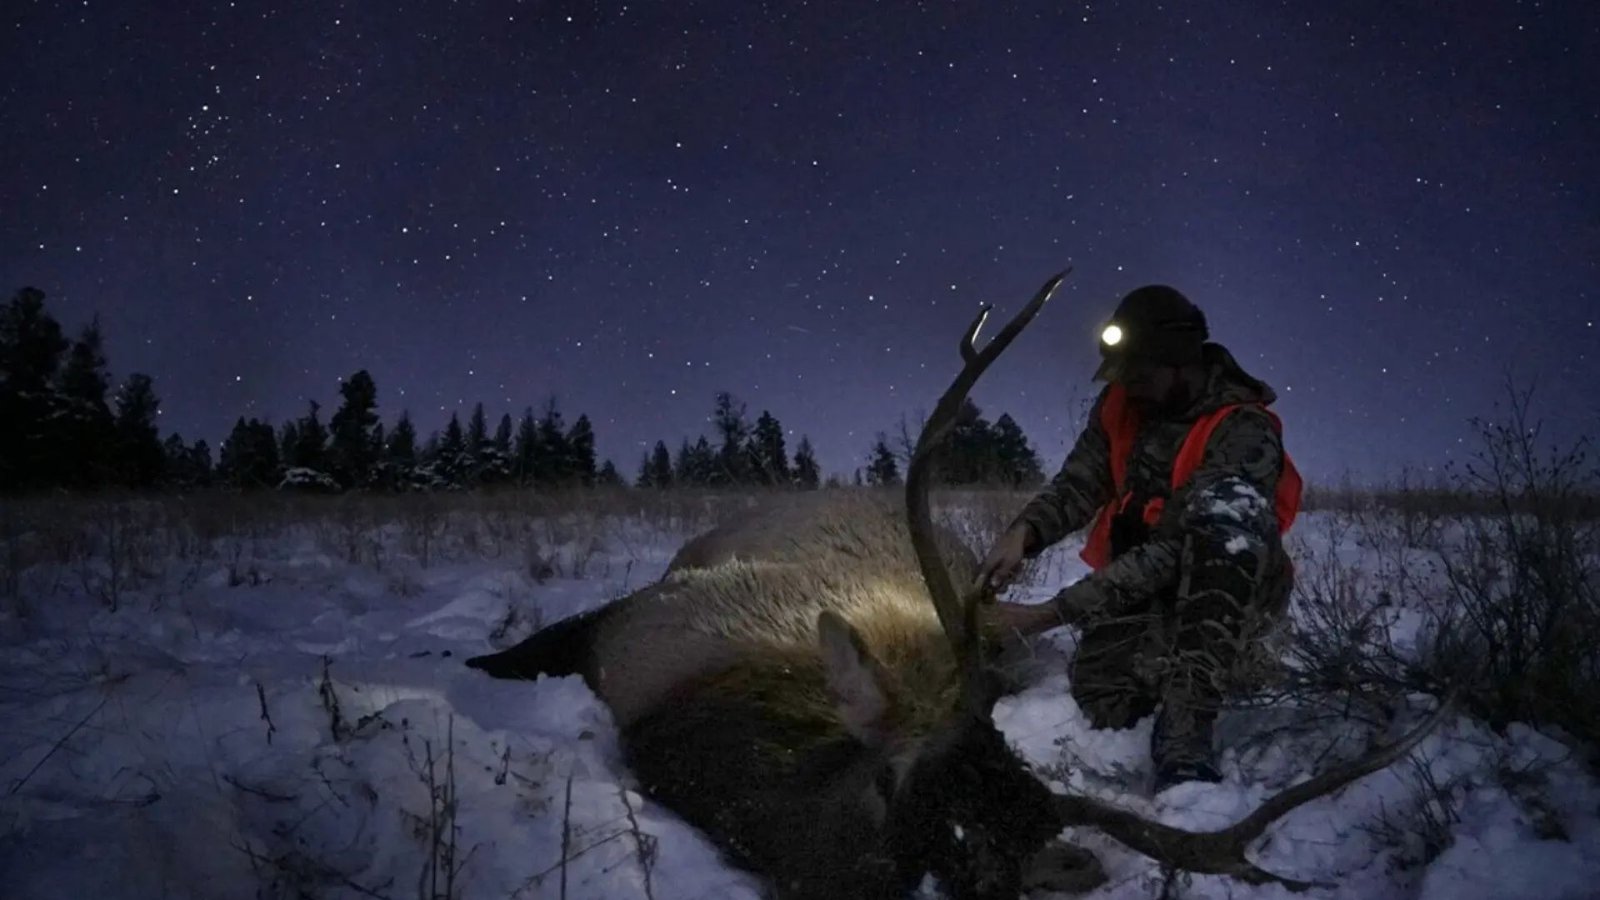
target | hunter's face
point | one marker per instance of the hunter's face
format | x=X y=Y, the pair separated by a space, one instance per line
x=1151 y=384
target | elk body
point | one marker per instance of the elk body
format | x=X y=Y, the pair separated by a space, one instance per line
x=806 y=687
x=787 y=688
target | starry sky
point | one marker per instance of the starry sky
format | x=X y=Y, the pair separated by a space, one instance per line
x=1385 y=208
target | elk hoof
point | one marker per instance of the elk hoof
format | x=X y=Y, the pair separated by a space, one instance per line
x=1064 y=868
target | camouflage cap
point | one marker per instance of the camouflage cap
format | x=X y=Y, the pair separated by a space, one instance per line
x=1154 y=324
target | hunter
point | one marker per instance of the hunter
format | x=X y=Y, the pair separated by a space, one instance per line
x=1182 y=479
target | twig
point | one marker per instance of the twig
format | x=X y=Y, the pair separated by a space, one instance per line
x=320 y=869
x=505 y=766
x=562 y=863
x=259 y=792
x=58 y=745
x=646 y=843
x=566 y=836
x=261 y=694
x=450 y=807
x=330 y=701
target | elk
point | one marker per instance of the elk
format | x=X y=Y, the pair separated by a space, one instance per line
x=789 y=689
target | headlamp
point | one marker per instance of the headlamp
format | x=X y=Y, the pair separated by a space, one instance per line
x=1111 y=336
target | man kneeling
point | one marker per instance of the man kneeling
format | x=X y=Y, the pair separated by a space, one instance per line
x=1182 y=477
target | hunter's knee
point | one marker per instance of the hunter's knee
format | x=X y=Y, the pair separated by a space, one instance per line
x=1230 y=543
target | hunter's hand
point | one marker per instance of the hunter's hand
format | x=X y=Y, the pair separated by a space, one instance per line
x=1006 y=619
x=1003 y=561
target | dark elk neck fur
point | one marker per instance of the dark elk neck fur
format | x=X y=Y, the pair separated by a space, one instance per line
x=781 y=785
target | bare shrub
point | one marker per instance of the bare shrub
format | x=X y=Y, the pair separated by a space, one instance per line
x=13 y=558
x=121 y=550
x=425 y=521
x=437 y=828
x=1423 y=827
x=1519 y=618
x=1507 y=583
x=348 y=528
x=1340 y=648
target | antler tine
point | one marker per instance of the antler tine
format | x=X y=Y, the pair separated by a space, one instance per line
x=968 y=352
x=1222 y=852
x=955 y=613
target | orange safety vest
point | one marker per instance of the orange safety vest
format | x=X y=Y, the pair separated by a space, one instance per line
x=1120 y=419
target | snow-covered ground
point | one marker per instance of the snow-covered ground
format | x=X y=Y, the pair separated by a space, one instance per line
x=287 y=714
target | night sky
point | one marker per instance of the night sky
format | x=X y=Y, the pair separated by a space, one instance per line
x=1383 y=207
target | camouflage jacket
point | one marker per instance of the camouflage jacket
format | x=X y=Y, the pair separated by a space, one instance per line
x=1245 y=446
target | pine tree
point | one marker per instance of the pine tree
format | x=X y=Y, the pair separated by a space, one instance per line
x=83 y=432
x=502 y=435
x=384 y=476
x=454 y=442
x=683 y=465
x=450 y=464
x=608 y=476
x=288 y=442
x=396 y=469
x=353 y=451
x=249 y=456
x=645 y=478
x=883 y=470
x=31 y=342
x=696 y=465
x=175 y=461
x=84 y=378
x=704 y=468
x=732 y=463
x=525 y=451
x=477 y=432
x=311 y=441
x=1019 y=465
x=770 y=459
x=552 y=465
x=200 y=463
x=402 y=447
x=807 y=474
x=580 y=452
x=660 y=466
x=31 y=345
x=969 y=456
x=138 y=444
x=496 y=465
x=185 y=467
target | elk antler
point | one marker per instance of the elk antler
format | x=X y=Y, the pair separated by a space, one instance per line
x=1222 y=852
x=957 y=612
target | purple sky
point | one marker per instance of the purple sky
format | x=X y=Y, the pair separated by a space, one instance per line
x=1383 y=207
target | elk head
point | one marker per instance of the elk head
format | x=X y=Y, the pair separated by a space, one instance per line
x=961 y=807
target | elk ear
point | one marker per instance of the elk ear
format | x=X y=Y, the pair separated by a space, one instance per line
x=854 y=678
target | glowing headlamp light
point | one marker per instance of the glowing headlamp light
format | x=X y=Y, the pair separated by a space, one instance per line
x=1111 y=336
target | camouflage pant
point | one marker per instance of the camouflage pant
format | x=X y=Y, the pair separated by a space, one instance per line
x=1189 y=645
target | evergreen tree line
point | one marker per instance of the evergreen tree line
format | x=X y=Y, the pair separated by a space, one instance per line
x=353 y=450
x=743 y=455
x=62 y=426
x=977 y=453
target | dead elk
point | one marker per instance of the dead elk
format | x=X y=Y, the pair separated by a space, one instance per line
x=789 y=689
